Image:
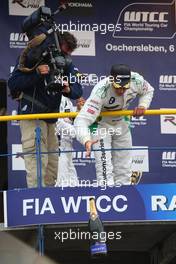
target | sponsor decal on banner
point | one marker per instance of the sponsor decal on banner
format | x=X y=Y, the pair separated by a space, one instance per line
x=17 y=158
x=86 y=43
x=140 y=159
x=138 y=121
x=143 y=20
x=78 y=4
x=167 y=82
x=18 y=40
x=168 y=124
x=169 y=159
x=78 y=7
x=24 y=7
x=148 y=202
x=80 y=160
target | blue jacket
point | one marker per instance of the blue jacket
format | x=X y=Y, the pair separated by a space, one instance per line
x=35 y=96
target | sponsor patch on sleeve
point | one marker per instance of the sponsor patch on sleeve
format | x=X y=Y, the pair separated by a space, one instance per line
x=89 y=110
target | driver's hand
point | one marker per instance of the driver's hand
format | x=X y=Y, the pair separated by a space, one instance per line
x=88 y=146
x=139 y=111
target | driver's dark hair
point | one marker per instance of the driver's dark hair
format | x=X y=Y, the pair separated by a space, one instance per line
x=69 y=39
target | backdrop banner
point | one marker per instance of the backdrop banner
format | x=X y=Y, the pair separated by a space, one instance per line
x=135 y=33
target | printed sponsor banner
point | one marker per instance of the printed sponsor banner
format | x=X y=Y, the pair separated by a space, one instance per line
x=86 y=43
x=168 y=124
x=71 y=205
x=142 y=20
x=140 y=160
x=78 y=7
x=138 y=121
x=144 y=30
x=24 y=7
x=17 y=160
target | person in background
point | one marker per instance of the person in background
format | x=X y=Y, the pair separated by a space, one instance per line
x=67 y=175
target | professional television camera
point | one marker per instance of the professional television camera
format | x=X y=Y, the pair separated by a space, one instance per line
x=44 y=47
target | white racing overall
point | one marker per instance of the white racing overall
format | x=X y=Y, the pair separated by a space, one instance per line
x=67 y=175
x=114 y=167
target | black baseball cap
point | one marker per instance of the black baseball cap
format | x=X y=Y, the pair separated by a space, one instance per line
x=121 y=74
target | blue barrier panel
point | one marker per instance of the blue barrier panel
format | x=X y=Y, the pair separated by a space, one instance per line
x=148 y=202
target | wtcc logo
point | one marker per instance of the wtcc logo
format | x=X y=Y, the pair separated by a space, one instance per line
x=169 y=159
x=167 y=82
x=142 y=20
x=80 y=160
x=82 y=155
x=18 y=40
x=151 y=17
x=168 y=124
x=169 y=155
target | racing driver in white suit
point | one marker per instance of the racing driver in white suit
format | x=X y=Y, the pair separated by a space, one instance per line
x=113 y=93
x=67 y=175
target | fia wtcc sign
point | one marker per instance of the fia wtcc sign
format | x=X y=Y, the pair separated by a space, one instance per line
x=71 y=205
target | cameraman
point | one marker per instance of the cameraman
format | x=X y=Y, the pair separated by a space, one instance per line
x=33 y=97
